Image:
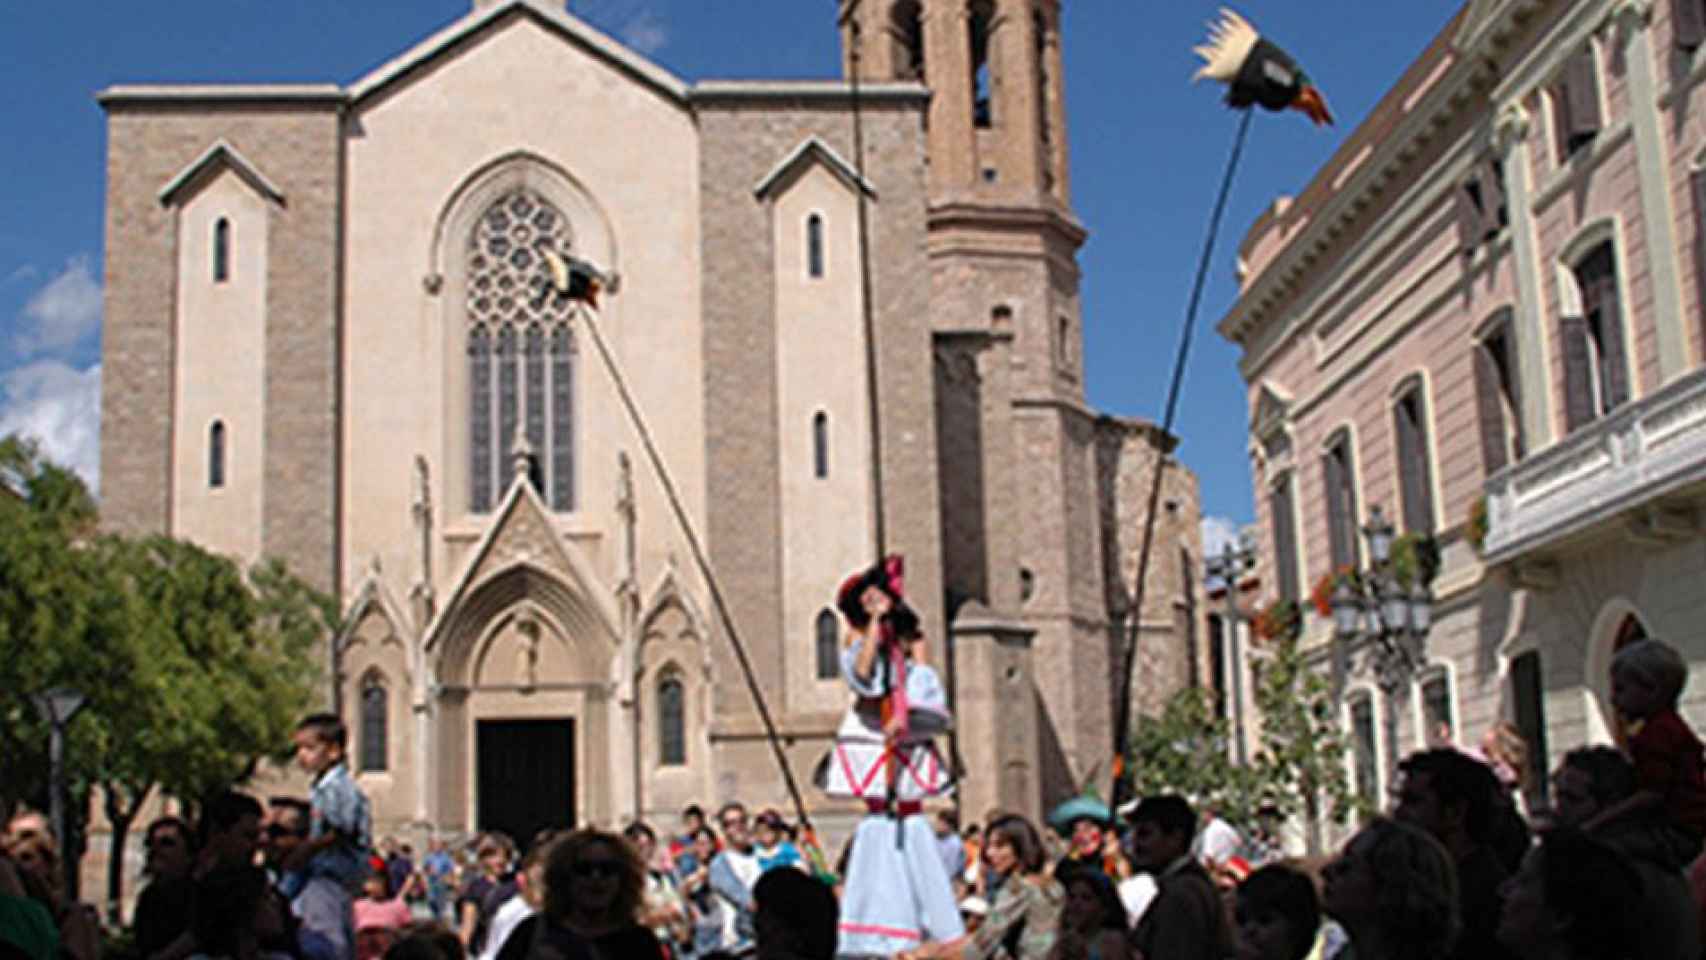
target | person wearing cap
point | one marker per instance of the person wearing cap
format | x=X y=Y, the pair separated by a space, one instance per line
x=1083 y=822
x=972 y=911
x=897 y=894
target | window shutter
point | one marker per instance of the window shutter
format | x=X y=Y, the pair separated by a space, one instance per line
x=1348 y=500
x=1470 y=214
x=1335 y=510
x=1491 y=412
x=1413 y=479
x=1578 y=376
x=1561 y=118
x=1582 y=87
x=1512 y=380
x=1688 y=22
x=1614 y=358
x=1493 y=213
x=1698 y=180
x=1285 y=539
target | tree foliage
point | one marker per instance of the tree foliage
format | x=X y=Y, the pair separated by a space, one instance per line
x=1184 y=751
x=192 y=671
x=1301 y=758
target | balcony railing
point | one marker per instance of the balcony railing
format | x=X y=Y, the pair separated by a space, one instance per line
x=1621 y=461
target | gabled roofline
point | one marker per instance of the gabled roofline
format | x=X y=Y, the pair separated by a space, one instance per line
x=813 y=148
x=552 y=17
x=221 y=151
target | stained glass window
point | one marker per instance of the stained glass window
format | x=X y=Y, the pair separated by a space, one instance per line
x=672 y=723
x=520 y=351
x=374 y=735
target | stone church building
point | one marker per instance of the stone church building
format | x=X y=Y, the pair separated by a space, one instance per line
x=329 y=339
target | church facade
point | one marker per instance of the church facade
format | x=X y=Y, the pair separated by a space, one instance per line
x=330 y=338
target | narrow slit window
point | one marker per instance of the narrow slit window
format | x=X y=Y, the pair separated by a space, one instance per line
x=814 y=246
x=828 y=645
x=222 y=250
x=216 y=454
x=820 y=445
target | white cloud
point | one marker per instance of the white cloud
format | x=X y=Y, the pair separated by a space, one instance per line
x=1217 y=532
x=635 y=22
x=646 y=32
x=62 y=313
x=26 y=272
x=60 y=406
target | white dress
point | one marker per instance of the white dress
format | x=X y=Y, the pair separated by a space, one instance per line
x=897 y=893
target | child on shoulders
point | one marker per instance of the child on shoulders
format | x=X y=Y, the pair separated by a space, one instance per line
x=1647 y=678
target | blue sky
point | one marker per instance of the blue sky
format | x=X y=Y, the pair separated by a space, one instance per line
x=1147 y=154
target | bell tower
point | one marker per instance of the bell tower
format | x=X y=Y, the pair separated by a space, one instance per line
x=1017 y=453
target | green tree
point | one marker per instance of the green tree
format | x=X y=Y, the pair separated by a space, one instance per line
x=1300 y=763
x=192 y=672
x=1184 y=751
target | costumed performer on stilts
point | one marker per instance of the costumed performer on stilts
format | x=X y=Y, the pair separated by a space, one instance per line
x=896 y=893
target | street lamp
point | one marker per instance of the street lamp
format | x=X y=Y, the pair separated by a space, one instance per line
x=1371 y=608
x=57 y=706
x=1234 y=559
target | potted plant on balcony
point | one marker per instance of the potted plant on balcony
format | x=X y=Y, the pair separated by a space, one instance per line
x=1475 y=528
x=1280 y=620
x=1415 y=559
x=1321 y=596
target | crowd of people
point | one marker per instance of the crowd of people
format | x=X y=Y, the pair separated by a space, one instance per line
x=1609 y=870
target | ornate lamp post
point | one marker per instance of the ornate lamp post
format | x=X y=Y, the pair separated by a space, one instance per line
x=57 y=706
x=1372 y=609
x=1232 y=562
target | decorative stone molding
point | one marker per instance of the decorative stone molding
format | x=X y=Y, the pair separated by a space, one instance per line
x=1632 y=16
x=1625 y=461
x=1510 y=128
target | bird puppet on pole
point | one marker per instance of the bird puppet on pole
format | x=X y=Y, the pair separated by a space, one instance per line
x=1256 y=72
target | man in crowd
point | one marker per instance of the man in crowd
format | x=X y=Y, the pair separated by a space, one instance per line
x=734 y=872
x=440 y=872
x=163 y=911
x=321 y=907
x=1449 y=794
x=951 y=847
x=1187 y=919
x=1592 y=780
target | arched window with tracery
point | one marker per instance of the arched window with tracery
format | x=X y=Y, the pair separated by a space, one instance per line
x=672 y=722
x=375 y=727
x=521 y=352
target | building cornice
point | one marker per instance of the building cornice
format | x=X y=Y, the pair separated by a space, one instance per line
x=1445 y=81
x=225 y=94
x=1008 y=218
x=823 y=91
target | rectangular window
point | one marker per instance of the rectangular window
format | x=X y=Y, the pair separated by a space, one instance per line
x=1365 y=763
x=1284 y=521
x=1596 y=369
x=1498 y=398
x=1415 y=471
x=1339 y=476
x=1688 y=23
x=1529 y=696
x=1438 y=725
x=1217 y=644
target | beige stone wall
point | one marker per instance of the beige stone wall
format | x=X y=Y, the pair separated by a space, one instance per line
x=826 y=522
x=742 y=138
x=294 y=141
x=221 y=344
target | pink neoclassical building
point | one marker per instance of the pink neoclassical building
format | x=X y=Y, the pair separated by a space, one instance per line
x=1489 y=304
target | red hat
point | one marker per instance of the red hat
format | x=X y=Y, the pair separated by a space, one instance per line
x=887 y=576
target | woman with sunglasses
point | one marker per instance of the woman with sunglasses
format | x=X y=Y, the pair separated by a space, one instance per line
x=594 y=886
